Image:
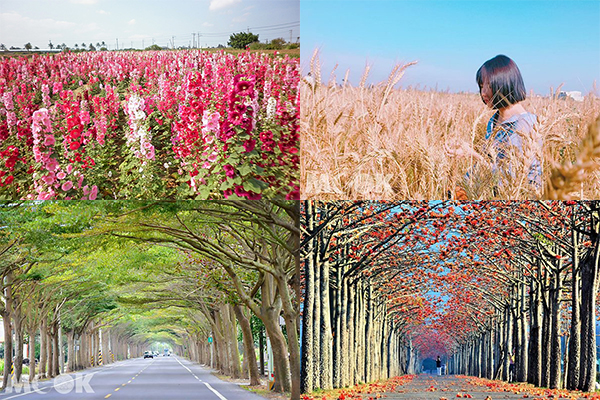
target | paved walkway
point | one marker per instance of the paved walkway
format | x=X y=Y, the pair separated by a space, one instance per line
x=450 y=387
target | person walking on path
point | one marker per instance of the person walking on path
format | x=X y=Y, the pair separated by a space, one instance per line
x=438 y=364
x=511 y=369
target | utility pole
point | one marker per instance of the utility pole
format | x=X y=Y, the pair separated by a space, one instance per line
x=194 y=38
x=199 y=45
x=117 y=43
x=290 y=36
x=132 y=44
x=143 y=44
x=173 y=42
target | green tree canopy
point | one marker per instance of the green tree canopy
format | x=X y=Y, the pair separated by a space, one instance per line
x=242 y=40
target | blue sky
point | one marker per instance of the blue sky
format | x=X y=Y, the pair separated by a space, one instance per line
x=137 y=22
x=552 y=42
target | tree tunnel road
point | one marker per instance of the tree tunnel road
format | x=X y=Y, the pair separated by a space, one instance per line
x=159 y=378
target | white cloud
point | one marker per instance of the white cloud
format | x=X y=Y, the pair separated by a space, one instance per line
x=84 y=1
x=249 y=7
x=218 y=4
x=208 y=24
x=102 y=12
x=132 y=22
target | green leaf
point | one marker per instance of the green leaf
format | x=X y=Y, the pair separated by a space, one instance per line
x=203 y=193
x=245 y=169
x=228 y=184
x=255 y=185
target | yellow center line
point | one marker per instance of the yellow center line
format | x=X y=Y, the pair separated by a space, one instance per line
x=124 y=384
x=117 y=389
x=129 y=381
x=107 y=396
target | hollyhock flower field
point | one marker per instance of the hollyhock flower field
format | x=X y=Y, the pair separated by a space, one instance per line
x=180 y=125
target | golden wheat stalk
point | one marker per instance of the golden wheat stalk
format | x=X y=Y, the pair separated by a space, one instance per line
x=566 y=178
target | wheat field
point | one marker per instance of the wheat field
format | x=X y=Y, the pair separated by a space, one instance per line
x=379 y=142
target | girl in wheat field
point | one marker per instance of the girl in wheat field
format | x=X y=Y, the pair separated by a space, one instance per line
x=511 y=127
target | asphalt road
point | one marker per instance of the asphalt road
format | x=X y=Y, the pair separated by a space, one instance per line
x=160 y=378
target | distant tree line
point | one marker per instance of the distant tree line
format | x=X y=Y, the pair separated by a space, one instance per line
x=250 y=40
x=241 y=40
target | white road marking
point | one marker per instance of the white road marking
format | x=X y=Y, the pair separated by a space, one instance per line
x=214 y=391
x=219 y=395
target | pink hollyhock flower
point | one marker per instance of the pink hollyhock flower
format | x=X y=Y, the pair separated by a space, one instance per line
x=249 y=145
x=11 y=118
x=7 y=98
x=94 y=192
x=229 y=171
x=150 y=154
x=209 y=139
x=239 y=190
x=74 y=145
x=52 y=164
x=268 y=146
x=61 y=175
x=293 y=195
x=69 y=168
x=266 y=136
x=235 y=118
x=253 y=196
x=68 y=185
x=56 y=87
x=44 y=196
x=213 y=157
x=206 y=165
x=84 y=116
x=49 y=141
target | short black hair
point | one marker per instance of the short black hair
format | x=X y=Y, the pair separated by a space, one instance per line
x=505 y=80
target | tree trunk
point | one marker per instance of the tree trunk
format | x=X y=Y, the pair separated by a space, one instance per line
x=19 y=336
x=249 y=353
x=6 y=320
x=573 y=370
x=56 y=350
x=50 y=352
x=555 y=349
x=589 y=293
x=8 y=348
x=70 y=351
x=280 y=364
x=535 y=337
x=31 y=355
x=43 y=349
x=307 y=366
x=234 y=353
